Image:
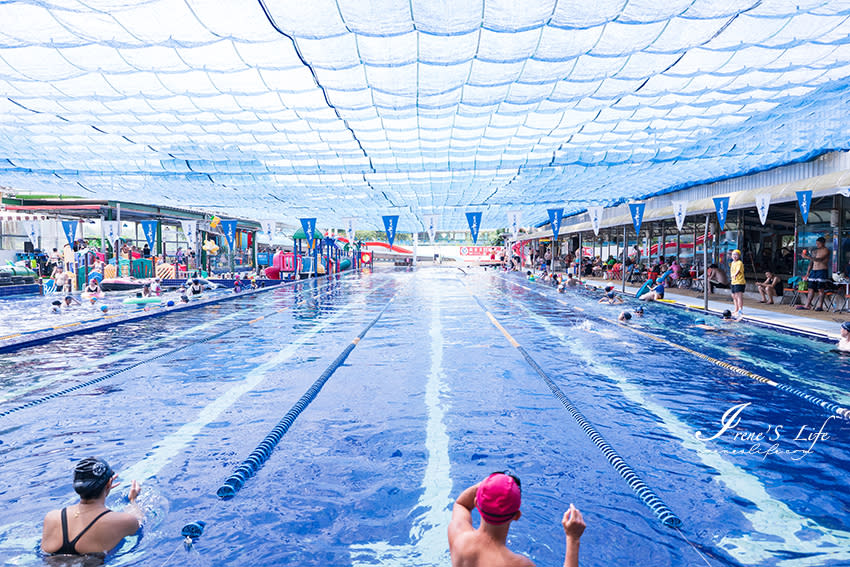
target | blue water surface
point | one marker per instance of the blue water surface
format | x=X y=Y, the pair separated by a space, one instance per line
x=431 y=400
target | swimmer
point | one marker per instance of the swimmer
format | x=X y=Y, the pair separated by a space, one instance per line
x=70 y=301
x=624 y=317
x=654 y=295
x=611 y=298
x=844 y=341
x=701 y=324
x=156 y=286
x=146 y=291
x=196 y=288
x=104 y=309
x=94 y=527
x=639 y=311
x=184 y=298
x=56 y=306
x=571 y=281
x=93 y=286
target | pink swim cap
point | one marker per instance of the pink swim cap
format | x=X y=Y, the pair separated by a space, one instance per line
x=498 y=498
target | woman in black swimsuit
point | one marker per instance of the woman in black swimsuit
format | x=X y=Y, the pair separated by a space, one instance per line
x=95 y=528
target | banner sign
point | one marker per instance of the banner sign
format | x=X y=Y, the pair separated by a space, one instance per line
x=390 y=226
x=474 y=220
x=721 y=204
x=514 y=218
x=481 y=250
x=229 y=229
x=680 y=209
x=269 y=228
x=190 y=231
x=33 y=228
x=804 y=199
x=149 y=228
x=309 y=228
x=349 y=230
x=636 y=210
x=69 y=227
x=595 y=214
x=555 y=216
x=111 y=231
x=763 y=204
x=431 y=226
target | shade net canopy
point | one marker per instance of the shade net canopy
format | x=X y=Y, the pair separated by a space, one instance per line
x=354 y=108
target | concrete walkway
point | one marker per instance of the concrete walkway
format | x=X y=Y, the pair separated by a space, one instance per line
x=825 y=325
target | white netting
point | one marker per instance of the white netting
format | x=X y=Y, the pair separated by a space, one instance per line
x=363 y=108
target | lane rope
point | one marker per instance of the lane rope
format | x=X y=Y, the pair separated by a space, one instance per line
x=114 y=373
x=640 y=488
x=258 y=457
x=830 y=406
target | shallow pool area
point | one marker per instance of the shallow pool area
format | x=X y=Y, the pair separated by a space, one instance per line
x=734 y=429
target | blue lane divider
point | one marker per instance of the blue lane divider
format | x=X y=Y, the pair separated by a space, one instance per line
x=828 y=405
x=263 y=451
x=644 y=492
x=132 y=366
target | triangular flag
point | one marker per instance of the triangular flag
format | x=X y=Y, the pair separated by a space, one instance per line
x=33 y=228
x=721 y=205
x=69 y=227
x=595 y=214
x=680 y=209
x=309 y=228
x=762 y=205
x=474 y=220
x=149 y=228
x=804 y=199
x=390 y=226
x=190 y=231
x=431 y=226
x=555 y=216
x=229 y=229
x=269 y=228
x=514 y=218
x=636 y=210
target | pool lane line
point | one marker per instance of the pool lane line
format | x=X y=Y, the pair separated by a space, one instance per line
x=114 y=373
x=257 y=458
x=643 y=491
x=7 y=396
x=830 y=406
x=101 y=323
x=772 y=519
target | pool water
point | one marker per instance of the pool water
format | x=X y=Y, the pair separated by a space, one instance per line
x=431 y=400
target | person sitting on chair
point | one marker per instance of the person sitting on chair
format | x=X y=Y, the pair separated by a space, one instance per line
x=769 y=288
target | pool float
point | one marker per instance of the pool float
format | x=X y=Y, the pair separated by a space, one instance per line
x=210 y=247
x=664 y=275
x=141 y=300
x=644 y=288
x=89 y=295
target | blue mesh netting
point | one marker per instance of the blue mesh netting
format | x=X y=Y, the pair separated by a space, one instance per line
x=410 y=107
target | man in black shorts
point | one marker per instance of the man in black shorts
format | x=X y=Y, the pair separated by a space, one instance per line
x=818 y=273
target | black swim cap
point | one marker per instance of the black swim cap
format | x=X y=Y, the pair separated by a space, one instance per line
x=91 y=476
x=727 y=314
x=56 y=302
x=846 y=326
x=627 y=316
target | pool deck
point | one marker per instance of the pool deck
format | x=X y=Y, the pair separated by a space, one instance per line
x=825 y=325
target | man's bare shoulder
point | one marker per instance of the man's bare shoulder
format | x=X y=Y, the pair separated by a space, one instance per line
x=468 y=550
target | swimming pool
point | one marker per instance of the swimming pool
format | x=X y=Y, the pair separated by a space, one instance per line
x=432 y=399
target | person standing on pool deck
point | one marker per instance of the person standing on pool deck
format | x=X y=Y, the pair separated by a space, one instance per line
x=817 y=274
x=94 y=527
x=739 y=283
x=498 y=499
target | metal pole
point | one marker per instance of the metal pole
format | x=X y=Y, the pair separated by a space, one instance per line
x=625 y=255
x=704 y=262
x=580 y=257
x=116 y=249
x=794 y=267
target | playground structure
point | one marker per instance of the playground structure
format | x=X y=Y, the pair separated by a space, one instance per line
x=323 y=255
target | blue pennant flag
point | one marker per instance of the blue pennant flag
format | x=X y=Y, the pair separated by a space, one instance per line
x=69 y=227
x=474 y=220
x=390 y=226
x=149 y=228
x=804 y=199
x=309 y=227
x=229 y=229
x=555 y=216
x=721 y=204
x=637 y=214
